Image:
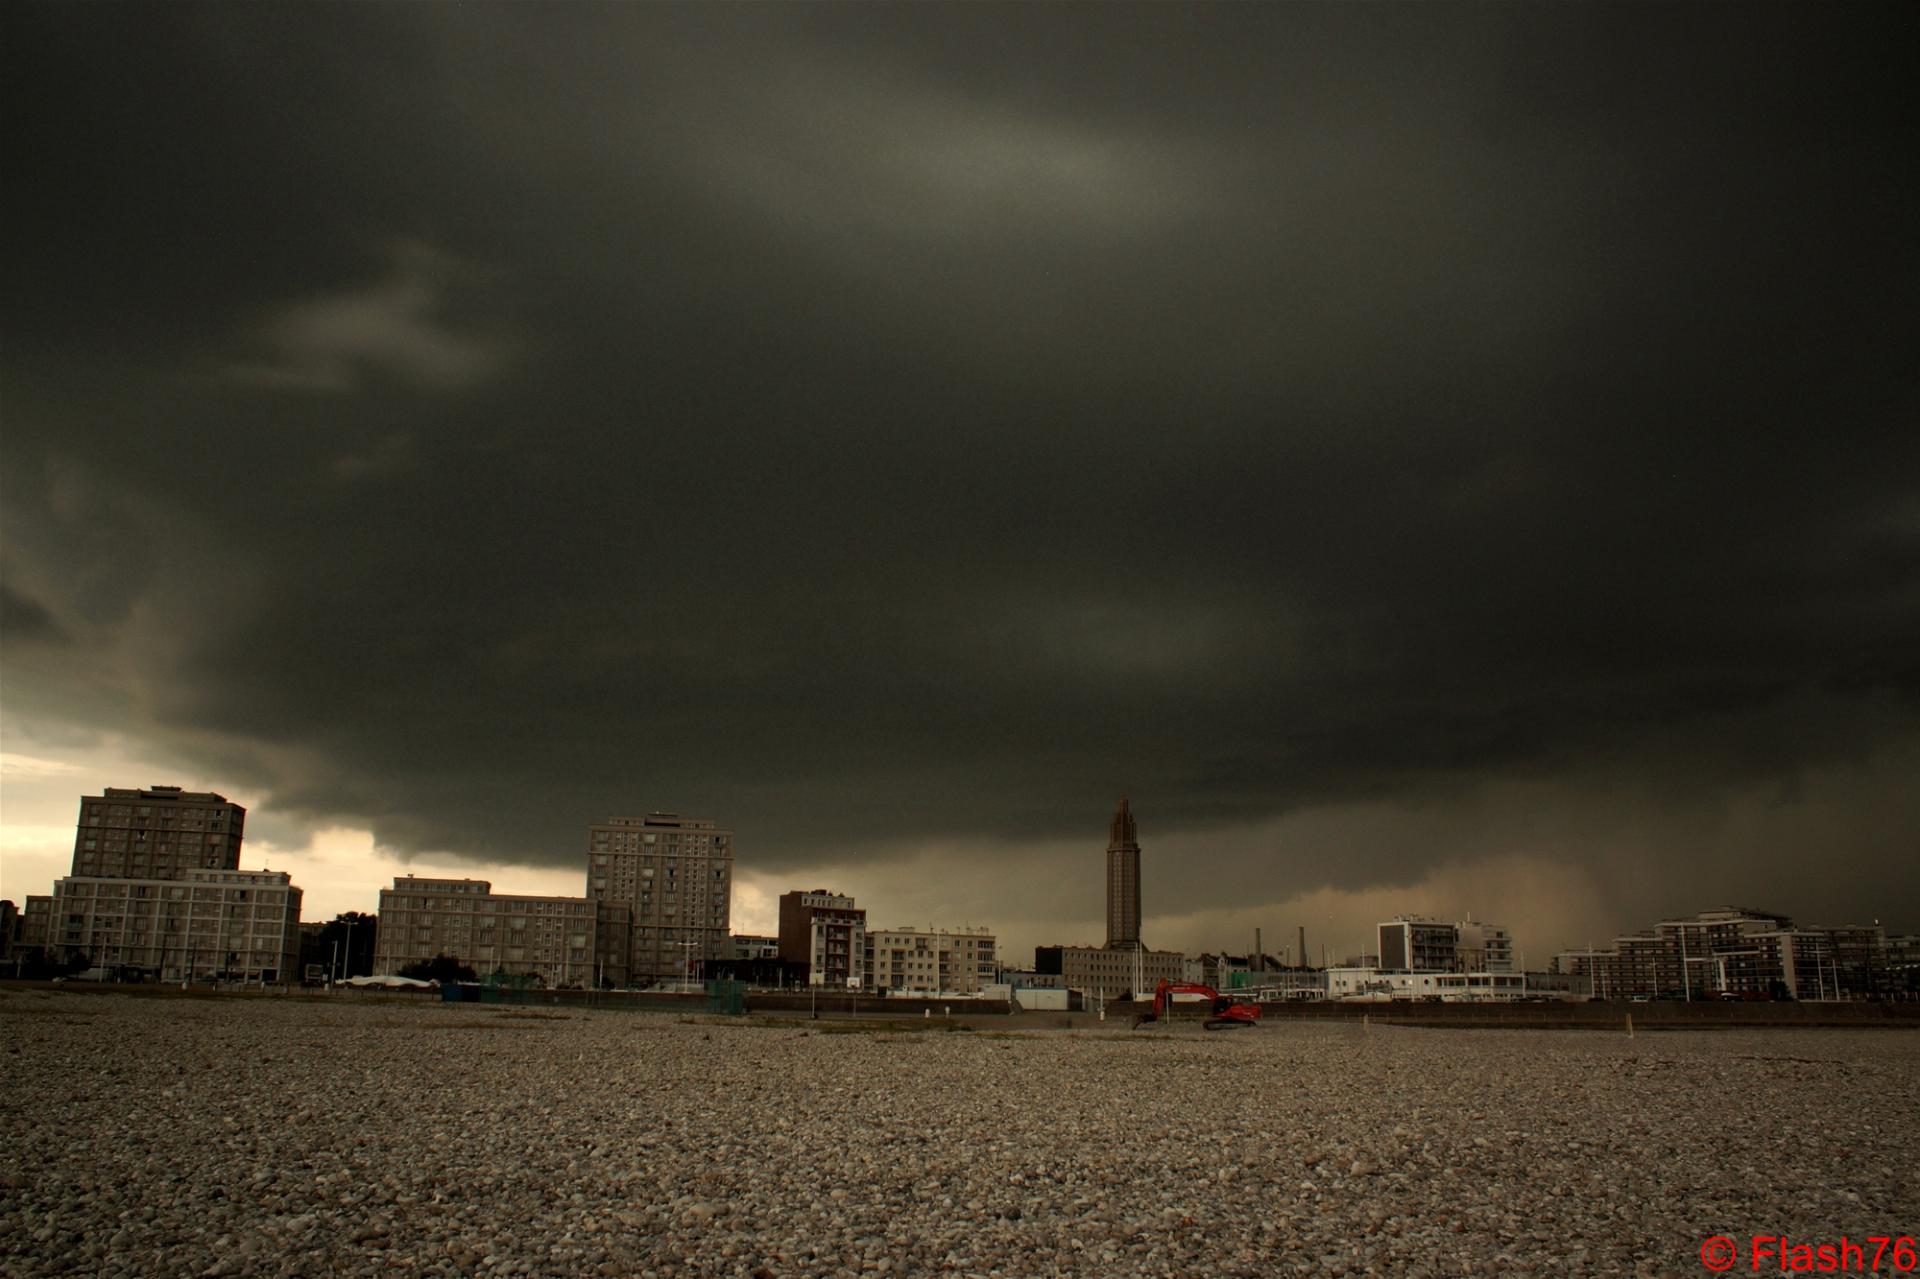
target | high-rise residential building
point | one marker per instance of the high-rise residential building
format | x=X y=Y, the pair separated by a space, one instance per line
x=826 y=932
x=676 y=876
x=930 y=961
x=156 y=832
x=564 y=941
x=233 y=924
x=1123 y=880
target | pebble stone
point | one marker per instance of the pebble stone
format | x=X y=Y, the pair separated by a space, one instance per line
x=352 y=1136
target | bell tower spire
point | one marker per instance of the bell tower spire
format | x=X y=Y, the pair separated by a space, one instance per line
x=1123 y=880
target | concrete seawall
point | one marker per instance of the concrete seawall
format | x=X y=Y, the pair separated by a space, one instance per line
x=1605 y=1015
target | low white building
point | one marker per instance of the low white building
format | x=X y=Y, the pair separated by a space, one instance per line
x=1279 y=986
x=1392 y=984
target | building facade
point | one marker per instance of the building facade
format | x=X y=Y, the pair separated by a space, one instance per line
x=1416 y=945
x=36 y=923
x=1736 y=953
x=1480 y=947
x=1109 y=973
x=675 y=876
x=562 y=941
x=1123 y=879
x=826 y=932
x=942 y=961
x=751 y=947
x=1442 y=986
x=229 y=924
x=156 y=832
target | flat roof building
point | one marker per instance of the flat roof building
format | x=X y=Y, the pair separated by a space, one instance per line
x=156 y=832
x=675 y=876
x=1736 y=952
x=826 y=932
x=1409 y=944
x=564 y=941
x=1110 y=973
x=232 y=924
x=930 y=961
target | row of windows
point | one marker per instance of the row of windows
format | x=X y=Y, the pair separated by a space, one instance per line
x=502 y=906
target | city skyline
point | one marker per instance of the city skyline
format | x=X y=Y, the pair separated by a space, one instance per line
x=1434 y=459
x=616 y=841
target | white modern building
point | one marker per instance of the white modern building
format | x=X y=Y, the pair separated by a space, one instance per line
x=1416 y=945
x=1386 y=984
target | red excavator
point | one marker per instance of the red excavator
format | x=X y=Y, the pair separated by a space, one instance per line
x=1222 y=1012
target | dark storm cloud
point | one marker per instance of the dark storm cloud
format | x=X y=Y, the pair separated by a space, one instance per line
x=874 y=424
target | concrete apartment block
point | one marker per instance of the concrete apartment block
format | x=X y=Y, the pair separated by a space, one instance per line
x=564 y=941
x=930 y=961
x=240 y=924
x=156 y=832
x=826 y=932
x=675 y=876
x=1738 y=953
x=1109 y=973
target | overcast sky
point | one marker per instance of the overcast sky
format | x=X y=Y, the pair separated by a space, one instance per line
x=1433 y=458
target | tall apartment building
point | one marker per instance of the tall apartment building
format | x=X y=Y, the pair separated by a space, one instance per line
x=1123 y=879
x=931 y=961
x=236 y=924
x=675 y=876
x=156 y=832
x=564 y=941
x=826 y=932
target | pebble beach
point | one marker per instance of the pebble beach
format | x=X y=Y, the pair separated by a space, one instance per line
x=357 y=1136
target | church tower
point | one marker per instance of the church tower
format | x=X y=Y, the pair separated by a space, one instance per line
x=1123 y=881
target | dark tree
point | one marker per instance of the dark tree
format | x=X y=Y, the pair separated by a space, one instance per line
x=346 y=943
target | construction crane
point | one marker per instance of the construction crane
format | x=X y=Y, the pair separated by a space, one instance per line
x=1222 y=1012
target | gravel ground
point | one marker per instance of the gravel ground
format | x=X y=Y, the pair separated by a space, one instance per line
x=234 y=1136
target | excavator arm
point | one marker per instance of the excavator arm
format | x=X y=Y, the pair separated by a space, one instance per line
x=1222 y=1012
